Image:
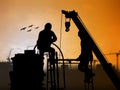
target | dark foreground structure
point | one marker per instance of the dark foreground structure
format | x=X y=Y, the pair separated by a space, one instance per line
x=93 y=46
x=27 y=71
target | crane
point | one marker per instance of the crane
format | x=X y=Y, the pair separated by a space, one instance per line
x=81 y=27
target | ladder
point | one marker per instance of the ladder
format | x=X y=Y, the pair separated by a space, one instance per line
x=52 y=73
x=90 y=82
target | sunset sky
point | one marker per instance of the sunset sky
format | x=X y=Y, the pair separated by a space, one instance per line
x=101 y=17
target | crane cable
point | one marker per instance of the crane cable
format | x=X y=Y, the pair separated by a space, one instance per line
x=61 y=51
x=60 y=33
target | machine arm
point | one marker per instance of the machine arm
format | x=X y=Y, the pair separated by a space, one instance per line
x=106 y=66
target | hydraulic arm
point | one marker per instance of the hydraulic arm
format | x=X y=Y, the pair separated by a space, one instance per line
x=106 y=66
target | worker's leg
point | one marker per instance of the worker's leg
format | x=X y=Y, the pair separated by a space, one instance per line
x=52 y=54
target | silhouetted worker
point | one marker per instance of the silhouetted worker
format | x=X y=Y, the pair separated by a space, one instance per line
x=85 y=56
x=45 y=39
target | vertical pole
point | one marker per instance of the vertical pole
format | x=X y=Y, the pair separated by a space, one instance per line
x=47 y=75
x=117 y=61
x=92 y=77
x=57 y=71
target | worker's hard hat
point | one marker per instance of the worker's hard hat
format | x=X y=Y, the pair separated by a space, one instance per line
x=48 y=26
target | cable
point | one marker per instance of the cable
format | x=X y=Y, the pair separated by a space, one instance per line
x=60 y=33
x=60 y=50
x=63 y=63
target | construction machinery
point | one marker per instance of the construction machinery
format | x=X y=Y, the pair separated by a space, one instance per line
x=28 y=72
x=28 y=66
x=81 y=27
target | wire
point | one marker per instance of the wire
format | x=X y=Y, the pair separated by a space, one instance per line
x=60 y=50
x=63 y=63
x=60 y=32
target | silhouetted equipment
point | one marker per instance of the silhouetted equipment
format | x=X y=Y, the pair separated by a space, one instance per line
x=52 y=73
x=53 y=82
x=67 y=25
x=94 y=62
x=117 y=54
x=90 y=82
x=63 y=63
x=27 y=71
x=107 y=68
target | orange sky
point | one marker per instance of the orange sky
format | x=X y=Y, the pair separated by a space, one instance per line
x=102 y=19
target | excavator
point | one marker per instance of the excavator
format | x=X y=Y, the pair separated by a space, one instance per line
x=81 y=27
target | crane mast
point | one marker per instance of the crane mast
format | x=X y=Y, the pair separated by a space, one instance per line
x=106 y=66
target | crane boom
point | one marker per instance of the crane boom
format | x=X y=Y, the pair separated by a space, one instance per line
x=106 y=66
